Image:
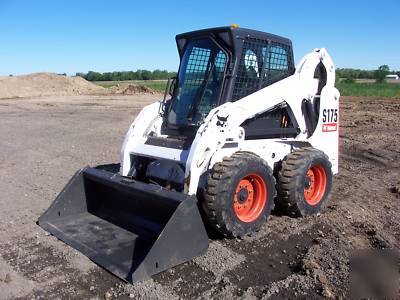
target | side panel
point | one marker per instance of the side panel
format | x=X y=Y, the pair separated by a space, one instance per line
x=326 y=134
x=272 y=151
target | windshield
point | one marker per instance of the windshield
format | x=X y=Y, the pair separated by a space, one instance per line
x=199 y=82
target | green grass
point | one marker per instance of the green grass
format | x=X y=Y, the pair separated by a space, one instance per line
x=155 y=85
x=379 y=90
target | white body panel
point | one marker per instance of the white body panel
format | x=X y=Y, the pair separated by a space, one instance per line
x=208 y=145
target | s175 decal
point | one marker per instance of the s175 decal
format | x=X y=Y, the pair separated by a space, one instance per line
x=329 y=120
x=329 y=115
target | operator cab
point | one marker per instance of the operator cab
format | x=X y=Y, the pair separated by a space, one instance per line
x=219 y=65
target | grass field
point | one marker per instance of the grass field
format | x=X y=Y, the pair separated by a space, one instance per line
x=156 y=85
x=379 y=90
x=361 y=89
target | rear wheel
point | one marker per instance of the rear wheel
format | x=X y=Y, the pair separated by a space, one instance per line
x=239 y=195
x=304 y=182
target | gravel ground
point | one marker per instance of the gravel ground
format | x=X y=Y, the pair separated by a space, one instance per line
x=45 y=140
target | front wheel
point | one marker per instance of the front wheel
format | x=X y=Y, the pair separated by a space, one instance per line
x=304 y=182
x=239 y=195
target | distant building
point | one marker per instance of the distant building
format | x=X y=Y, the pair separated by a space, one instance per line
x=392 y=76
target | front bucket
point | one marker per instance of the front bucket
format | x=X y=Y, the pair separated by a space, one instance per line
x=130 y=228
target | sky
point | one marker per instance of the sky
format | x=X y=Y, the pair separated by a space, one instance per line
x=77 y=36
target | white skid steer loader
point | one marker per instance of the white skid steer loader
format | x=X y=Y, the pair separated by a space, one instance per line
x=239 y=130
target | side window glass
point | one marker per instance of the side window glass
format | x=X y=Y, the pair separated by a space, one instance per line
x=220 y=62
x=248 y=75
x=277 y=63
x=199 y=81
x=261 y=63
x=251 y=64
x=213 y=87
x=196 y=69
x=278 y=58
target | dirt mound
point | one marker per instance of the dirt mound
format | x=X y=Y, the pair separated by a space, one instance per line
x=131 y=89
x=46 y=84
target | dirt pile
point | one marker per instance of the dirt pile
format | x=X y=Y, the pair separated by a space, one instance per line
x=131 y=89
x=46 y=84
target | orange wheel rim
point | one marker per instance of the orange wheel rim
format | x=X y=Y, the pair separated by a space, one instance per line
x=315 y=185
x=250 y=197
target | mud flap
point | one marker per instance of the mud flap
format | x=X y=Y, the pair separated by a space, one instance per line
x=130 y=228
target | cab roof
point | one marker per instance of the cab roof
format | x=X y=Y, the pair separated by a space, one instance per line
x=229 y=34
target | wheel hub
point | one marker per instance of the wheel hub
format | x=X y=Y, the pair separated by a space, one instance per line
x=250 y=197
x=315 y=184
x=307 y=183
x=242 y=195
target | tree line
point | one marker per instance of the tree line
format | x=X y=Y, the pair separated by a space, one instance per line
x=344 y=73
x=349 y=73
x=127 y=75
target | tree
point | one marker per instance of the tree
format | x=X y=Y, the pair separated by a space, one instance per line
x=127 y=75
x=380 y=74
x=146 y=75
x=93 y=76
x=106 y=76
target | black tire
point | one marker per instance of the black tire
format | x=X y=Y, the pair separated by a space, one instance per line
x=295 y=195
x=221 y=205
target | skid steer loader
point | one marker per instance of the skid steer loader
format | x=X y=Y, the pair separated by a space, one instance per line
x=239 y=130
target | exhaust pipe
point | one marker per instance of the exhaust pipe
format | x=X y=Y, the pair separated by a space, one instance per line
x=132 y=229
